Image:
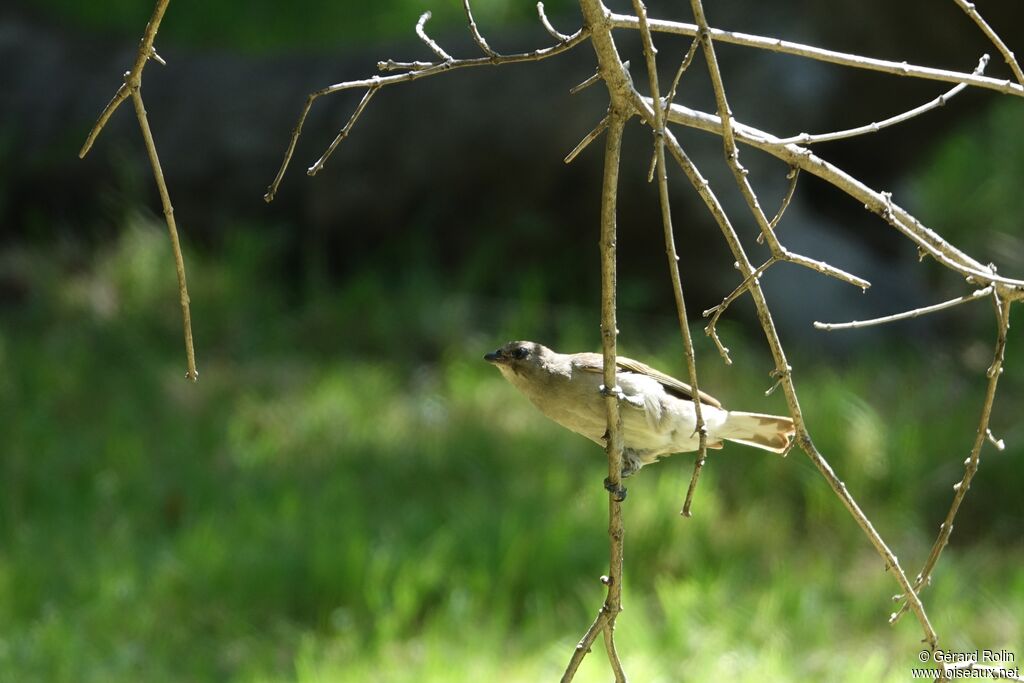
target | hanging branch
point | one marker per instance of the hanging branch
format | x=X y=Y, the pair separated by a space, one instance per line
x=971 y=463
x=670 y=244
x=132 y=87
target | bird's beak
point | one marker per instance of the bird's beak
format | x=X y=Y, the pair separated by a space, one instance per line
x=495 y=356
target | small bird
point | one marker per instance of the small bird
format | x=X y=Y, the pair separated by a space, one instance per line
x=658 y=416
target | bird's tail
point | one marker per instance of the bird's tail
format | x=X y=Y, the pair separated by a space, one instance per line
x=768 y=432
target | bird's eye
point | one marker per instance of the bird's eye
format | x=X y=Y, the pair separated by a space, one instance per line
x=520 y=353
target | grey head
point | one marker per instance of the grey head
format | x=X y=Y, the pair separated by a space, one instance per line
x=523 y=360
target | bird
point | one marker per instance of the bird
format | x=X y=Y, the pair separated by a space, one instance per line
x=658 y=415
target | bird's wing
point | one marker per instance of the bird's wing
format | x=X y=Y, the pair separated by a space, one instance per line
x=593 y=362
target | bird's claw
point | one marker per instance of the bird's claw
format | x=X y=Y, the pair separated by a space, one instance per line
x=615 y=392
x=617 y=490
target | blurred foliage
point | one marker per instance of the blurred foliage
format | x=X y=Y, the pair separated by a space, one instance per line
x=265 y=25
x=350 y=493
x=971 y=187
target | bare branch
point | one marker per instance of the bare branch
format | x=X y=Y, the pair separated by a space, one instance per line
x=416 y=71
x=876 y=201
x=1005 y=51
x=315 y=168
x=132 y=77
x=555 y=33
x=132 y=87
x=683 y=66
x=431 y=43
x=993 y=373
x=917 y=312
x=477 y=37
x=808 y=139
x=172 y=229
x=670 y=251
x=587 y=139
x=803 y=439
x=820 y=54
x=792 y=176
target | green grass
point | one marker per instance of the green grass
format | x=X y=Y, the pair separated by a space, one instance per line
x=350 y=493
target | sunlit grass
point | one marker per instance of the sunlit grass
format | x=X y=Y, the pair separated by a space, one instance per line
x=349 y=497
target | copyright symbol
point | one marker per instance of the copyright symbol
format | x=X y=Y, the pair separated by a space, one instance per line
x=924 y=655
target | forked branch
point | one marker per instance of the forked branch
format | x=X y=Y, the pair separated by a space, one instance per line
x=132 y=87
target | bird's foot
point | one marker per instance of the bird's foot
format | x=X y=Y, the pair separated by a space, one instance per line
x=617 y=490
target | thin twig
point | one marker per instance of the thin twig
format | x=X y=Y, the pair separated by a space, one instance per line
x=971 y=463
x=477 y=37
x=670 y=251
x=916 y=313
x=179 y=262
x=683 y=66
x=587 y=139
x=711 y=329
x=416 y=71
x=792 y=176
x=132 y=87
x=1005 y=51
x=316 y=167
x=132 y=78
x=831 y=56
x=421 y=31
x=808 y=139
x=555 y=33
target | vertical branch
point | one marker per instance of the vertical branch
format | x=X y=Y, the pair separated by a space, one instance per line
x=609 y=333
x=605 y=621
x=670 y=246
x=132 y=87
x=165 y=200
x=972 y=461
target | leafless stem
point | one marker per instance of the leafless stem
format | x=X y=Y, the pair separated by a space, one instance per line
x=792 y=176
x=1005 y=51
x=917 y=312
x=132 y=87
x=555 y=33
x=717 y=311
x=971 y=463
x=831 y=56
x=614 y=442
x=807 y=139
x=691 y=52
x=315 y=168
x=683 y=66
x=416 y=70
x=421 y=31
x=601 y=126
x=477 y=37
x=875 y=201
x=670 y=250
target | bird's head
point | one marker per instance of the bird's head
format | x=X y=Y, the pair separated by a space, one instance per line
x=519 y=359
